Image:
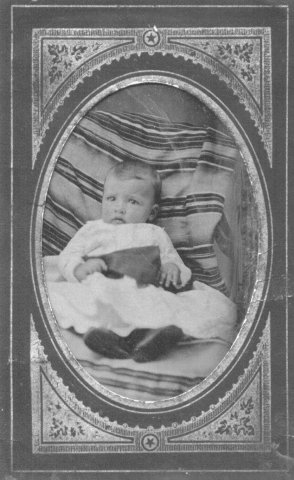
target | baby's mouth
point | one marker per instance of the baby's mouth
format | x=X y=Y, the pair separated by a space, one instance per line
x=117 y=221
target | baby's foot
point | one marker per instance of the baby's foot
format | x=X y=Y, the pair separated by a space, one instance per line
x=156 y=343
x=107 y=343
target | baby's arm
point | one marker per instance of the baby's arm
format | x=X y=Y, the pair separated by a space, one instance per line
x=173 y=270
x=91 y=265
x=72 y=256
x=170 y=274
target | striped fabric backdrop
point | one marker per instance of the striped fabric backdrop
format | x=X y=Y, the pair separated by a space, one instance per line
x=197 y=170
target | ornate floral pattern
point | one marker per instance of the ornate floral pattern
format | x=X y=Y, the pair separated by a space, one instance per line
x=240 y=423
x=61 y=58
x=60 y=427
x=242 y=57
x=61 y=424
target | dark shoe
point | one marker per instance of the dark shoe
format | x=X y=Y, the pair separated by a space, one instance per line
x=156 y=343
x=136 y=336
x=107 y=343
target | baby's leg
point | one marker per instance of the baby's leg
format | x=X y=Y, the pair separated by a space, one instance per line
x=156 y=343
x=136 y=336
x=142 y=345
x=107 y=343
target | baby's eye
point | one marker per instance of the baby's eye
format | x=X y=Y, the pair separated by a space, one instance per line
x=110 y=198
x=133 y=201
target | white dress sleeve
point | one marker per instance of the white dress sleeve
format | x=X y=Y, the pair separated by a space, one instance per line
x=168 y=253
x=73 y=253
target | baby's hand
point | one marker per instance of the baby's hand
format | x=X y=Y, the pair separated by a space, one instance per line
x=90 y=266
x=170 y=274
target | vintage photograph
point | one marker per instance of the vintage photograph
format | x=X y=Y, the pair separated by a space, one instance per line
x=147 y=225
x=147 y=180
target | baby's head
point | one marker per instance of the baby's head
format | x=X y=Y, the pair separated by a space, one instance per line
x=131 y=193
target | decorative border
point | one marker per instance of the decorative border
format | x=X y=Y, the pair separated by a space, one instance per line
x=241 y=57
x=240 y=421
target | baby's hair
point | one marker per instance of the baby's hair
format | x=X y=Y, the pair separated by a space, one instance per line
x=130 y=169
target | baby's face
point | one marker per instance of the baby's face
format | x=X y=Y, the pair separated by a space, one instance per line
x=128 y=201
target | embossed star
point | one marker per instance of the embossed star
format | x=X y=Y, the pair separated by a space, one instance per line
x=151 y=37
x=150 y=442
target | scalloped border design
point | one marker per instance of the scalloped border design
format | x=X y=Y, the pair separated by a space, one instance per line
x=178 y=42
x=136 y=439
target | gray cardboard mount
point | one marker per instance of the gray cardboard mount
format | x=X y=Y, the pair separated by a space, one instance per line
x=197 y=46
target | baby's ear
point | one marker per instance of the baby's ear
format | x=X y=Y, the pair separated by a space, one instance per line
x=153 y=213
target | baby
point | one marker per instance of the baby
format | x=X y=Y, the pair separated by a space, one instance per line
x=123 y=316
x=129 y=206
x=131 y=195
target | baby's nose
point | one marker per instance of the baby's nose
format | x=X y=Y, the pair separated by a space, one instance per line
x=120 y=207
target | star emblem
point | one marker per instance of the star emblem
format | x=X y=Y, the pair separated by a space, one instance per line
x=150 y=442
x=151 y=38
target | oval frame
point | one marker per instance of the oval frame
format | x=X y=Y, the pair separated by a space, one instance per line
x=258 y=185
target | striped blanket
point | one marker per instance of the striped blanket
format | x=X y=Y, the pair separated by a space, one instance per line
x=175 y=373
x=197 y=167
x=197 y=170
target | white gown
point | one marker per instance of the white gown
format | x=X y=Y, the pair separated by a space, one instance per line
x=119 y=304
